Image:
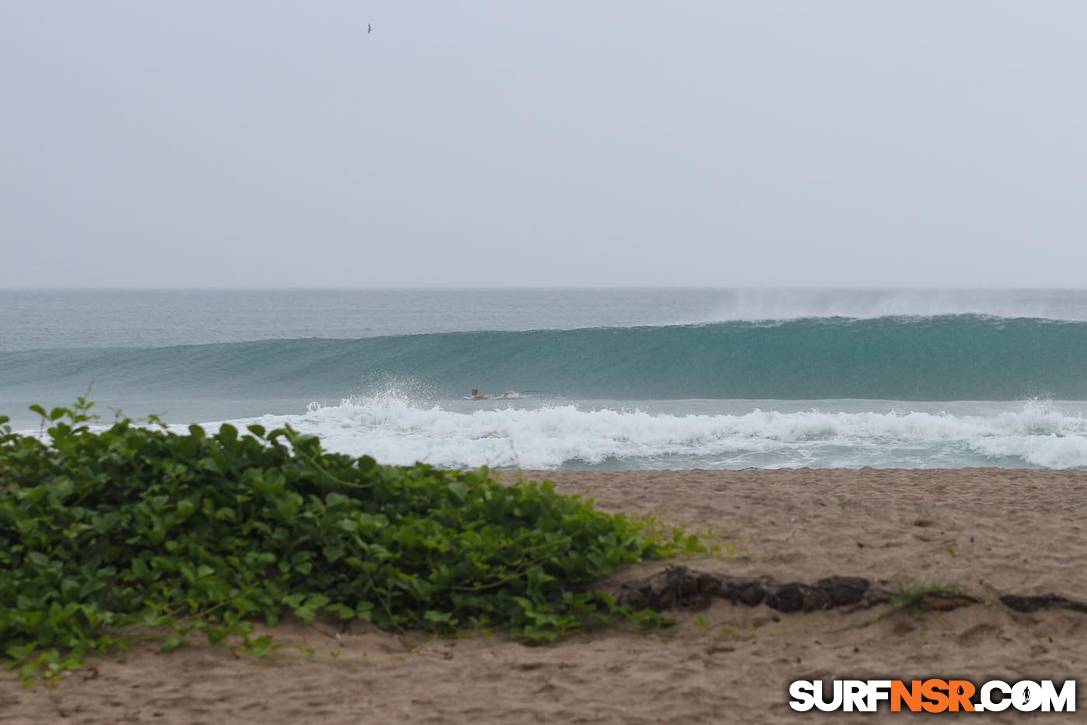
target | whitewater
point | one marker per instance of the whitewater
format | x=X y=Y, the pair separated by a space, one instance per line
x=394 y=429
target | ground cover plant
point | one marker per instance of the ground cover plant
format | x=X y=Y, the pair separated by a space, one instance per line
x=108 y=528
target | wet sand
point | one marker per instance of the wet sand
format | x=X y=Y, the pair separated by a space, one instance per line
x=987 y=531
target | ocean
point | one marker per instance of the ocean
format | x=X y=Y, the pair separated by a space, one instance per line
x=625 y=378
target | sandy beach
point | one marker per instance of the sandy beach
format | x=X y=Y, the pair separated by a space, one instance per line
x=986 y=531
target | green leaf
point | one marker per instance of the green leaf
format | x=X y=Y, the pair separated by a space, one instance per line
x=132 y=525
x=459 y=489
x=436 y=617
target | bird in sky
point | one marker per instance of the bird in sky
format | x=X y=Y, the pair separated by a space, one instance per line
x=369 y=28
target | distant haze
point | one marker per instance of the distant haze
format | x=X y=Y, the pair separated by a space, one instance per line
x=267 y=144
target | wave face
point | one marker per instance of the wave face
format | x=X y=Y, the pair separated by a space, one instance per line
x=948 y=357
x=38 y=320
x=396 y=431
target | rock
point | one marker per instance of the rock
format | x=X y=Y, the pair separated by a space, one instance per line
x=844 y=590
x=797 y=597
x=1034 y=603
x=678 y=587
x=751 y=593
x=875 y=596
x=944 y=601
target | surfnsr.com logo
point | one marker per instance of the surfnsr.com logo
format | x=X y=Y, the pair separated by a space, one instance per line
x=933 y=695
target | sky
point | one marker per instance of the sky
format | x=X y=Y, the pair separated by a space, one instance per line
x=270 y=143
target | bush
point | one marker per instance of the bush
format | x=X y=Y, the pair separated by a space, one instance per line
x=106 y=528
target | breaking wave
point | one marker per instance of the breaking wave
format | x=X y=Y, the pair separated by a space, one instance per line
x=395 y=430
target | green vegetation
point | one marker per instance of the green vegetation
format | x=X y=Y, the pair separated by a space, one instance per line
x=107 y=529
x=913 y=595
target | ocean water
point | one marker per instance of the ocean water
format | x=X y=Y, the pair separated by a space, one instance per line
x=610 y=378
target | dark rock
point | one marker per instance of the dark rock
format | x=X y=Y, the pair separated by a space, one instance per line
x=875 y=596
x=944 y=601
x=797 y=597
x=751 y=593
x=843 y=590
x=633 y=595
x=678 y=587
x=1028 y=603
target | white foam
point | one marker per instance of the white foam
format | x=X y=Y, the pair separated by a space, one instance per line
x=395 y=430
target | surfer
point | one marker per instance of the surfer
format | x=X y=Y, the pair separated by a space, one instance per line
x=476 y=395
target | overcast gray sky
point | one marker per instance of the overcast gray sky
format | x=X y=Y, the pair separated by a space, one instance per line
x=263 y=143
